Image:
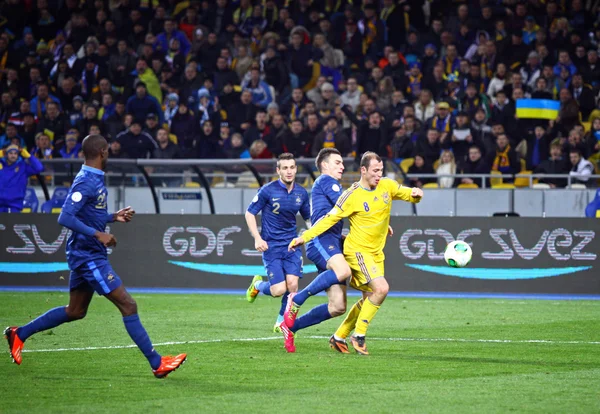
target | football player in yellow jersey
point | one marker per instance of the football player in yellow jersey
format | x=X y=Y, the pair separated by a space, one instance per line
x=367 y=204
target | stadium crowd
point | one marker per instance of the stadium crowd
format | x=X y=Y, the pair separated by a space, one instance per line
x=431 y=80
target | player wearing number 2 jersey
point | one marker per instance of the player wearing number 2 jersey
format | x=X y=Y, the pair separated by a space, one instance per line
x=279 y=201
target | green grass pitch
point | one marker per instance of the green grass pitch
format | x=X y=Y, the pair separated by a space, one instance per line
x=442 y=355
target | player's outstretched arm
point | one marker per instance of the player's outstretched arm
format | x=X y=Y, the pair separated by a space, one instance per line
x=399 y=192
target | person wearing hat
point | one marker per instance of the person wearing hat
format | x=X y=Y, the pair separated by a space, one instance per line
x=135 y=142
x=141 y=104
x=442 y=121
x=10 y=136
x=152 y=125
x=516 y=54
x=352 y=43
x=14 y=173
x=171 y=107
x=372 y=30
x=530 y=30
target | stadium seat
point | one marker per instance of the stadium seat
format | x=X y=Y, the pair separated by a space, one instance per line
x=496 y=180
x=224 y=184
x=504 y=186
x=246 y=180
x=54 y=205
x=541 y=186
x=578 y=186
x=406 y=164
x=30 y=202
x=523 y=165
x=192 y=184
x=431 y=185
x=469 y=186
x=522 y=179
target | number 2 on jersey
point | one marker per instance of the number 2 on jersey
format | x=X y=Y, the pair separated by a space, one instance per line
x=276 y=207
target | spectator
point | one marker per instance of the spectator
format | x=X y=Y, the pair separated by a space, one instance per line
x=166 y=149
x=183 y=126
x=332 y=137
x=371 y=135
x=261 y=94
x=296 y=141
x=43 y=149
x=301 y=58
x=447 y=165
x=147 y=77
x=11 y=136
x=505 y=160
x=498 y=81
x=401 y=146
x=72 y=147
x=171 y=32
x=442 y=121
x=121 y=64
x=152 y=127
x=237 y=149
x=592 y=140
x=581 y=168
x=223 y=75
x=53 y=124
x=135 y=142
x=555 y=164
x=420 y=166
x=243 y=112
x=352 y=95
x=538 y=147
x=259 y=150
x=425 y=106
x=16 y=166
x=584 y=96
x=38 y=104
x=142 y=104
x=475 y=164
x=429 y=146
x=171 y=107
x=260 y=130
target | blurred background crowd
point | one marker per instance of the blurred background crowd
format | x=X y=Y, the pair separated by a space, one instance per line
x=429 y=84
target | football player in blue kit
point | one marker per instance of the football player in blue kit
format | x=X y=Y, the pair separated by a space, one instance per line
x=325 y=251
x=279 y=201
x=85 y=214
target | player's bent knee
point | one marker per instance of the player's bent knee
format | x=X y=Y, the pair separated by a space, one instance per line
x=278 y=290
x=337 y=309
x=75 y=314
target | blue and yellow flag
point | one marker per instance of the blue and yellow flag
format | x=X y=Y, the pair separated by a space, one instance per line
x=537 y=108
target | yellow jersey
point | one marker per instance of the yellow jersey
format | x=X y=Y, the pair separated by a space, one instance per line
x=369 y=214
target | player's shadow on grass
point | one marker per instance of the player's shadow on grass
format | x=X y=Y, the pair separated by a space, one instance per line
x=473 y=360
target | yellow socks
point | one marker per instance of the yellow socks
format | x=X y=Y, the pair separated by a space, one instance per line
x=348 y=324
x=368 y=312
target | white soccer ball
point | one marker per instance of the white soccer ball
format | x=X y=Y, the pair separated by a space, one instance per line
x=458 y=254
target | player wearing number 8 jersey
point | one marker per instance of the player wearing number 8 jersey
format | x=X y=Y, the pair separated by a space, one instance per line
x=367 y=204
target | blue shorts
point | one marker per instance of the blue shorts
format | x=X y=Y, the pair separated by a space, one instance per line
x=95 y=275
x=321 y=249
x=278 y=264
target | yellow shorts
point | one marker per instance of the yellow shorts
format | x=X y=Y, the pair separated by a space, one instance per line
x=364 y=267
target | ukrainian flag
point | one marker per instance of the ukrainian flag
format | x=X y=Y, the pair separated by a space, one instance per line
x=537 y=108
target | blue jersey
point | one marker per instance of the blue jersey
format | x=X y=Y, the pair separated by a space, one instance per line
x=279 y=209
x=86 y=202
x=325 y=192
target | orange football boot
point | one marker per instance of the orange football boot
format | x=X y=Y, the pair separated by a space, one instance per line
x=169 y=364
x=15 y=345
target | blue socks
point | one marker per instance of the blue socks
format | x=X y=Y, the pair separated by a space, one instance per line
x=284 y=299
x=137 y=332
x=48 y=320
x=316 y=315
x=322 y=282
x=264 y=287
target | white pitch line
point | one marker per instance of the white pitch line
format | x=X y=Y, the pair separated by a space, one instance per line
x=204 y=341
x=272 y=338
